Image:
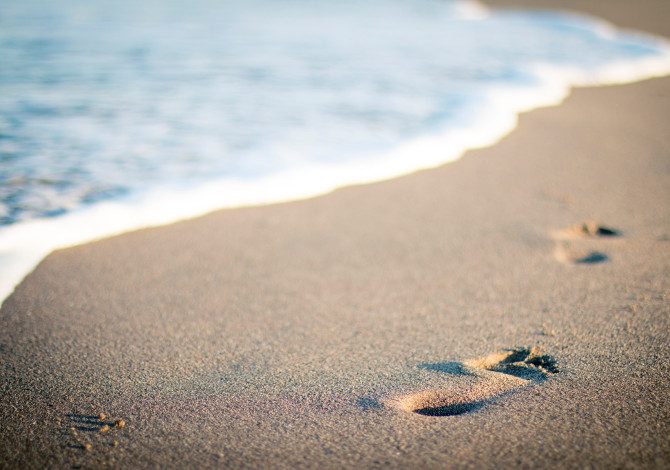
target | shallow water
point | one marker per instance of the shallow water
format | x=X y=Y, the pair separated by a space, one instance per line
x=103 y=99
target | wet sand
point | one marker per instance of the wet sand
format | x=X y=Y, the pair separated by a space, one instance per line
x=509 y=309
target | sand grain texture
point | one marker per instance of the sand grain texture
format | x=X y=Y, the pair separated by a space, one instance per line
x=271 y=336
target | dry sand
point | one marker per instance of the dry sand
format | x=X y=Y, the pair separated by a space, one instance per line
x=306 y=334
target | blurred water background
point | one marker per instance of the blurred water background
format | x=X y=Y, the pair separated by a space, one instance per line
x=103 y=99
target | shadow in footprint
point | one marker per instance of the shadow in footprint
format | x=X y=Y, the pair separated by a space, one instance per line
x=567 y=255
x=587 y=230
x=592 y=229
x=85 y=423
x=594 y=257
x=368 y=404
x=451 y=410
x=452 y=368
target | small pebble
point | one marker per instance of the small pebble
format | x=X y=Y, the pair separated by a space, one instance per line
x=119 y=423
x=88 y=446
x=102 y=416
x=105 y=428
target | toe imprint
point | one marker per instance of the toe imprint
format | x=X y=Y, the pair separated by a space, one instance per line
x=587 y=229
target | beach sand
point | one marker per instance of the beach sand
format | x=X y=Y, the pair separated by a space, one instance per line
x=510 y=309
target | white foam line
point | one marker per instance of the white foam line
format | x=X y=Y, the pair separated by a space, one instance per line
x=24 y=245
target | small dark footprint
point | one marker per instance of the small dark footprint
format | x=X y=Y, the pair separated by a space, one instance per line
x=575 y=245
x=87 y=432
x=501 y=373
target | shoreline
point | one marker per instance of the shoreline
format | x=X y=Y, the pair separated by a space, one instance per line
x=24 y=246
x=279 y=333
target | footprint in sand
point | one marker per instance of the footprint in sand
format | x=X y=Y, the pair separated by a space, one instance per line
x=89 y=432
x=499 y=373
x=580 y=244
